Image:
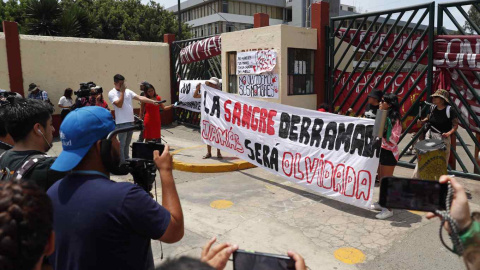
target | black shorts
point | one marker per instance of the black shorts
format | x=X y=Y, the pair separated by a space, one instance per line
x=387 y=158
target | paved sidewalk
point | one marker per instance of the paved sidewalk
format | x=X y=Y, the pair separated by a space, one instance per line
x=263 y=212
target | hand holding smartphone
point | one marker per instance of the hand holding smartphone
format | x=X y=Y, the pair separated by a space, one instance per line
x=251 y=260
x=413 y=194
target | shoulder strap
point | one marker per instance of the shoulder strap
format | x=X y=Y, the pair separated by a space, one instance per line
x=28 y=166
x=6 y=173
x=448 y=111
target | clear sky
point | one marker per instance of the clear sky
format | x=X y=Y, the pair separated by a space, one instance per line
x=372 y=5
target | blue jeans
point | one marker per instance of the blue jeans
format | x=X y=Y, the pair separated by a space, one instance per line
x=125 y=140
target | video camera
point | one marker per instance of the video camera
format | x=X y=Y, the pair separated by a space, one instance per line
x=84 y=90
x=141 y=165
x=7 y=97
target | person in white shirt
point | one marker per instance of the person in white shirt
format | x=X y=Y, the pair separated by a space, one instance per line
x=121 y=98
x=66 y=102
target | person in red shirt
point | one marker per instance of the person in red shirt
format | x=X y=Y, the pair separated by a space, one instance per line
x=96 y=98
x=151 y=120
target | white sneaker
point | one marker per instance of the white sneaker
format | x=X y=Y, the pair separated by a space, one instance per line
x=375 y=206
x=384 y=214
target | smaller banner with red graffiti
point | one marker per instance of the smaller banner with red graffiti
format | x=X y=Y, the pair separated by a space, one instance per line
x=256 y=62
x=201 y=50
x=331 y=154
x=258 y=86
x=450 y=51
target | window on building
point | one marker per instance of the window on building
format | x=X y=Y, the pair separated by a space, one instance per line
x=300 y=71
x=232 y=72
x=216 y=28
x=269 y=11
x=230 y=27
x=225 y=6
x=247 y=9
x=289 y=15
x=242 y=8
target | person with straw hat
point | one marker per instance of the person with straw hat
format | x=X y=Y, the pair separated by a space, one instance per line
x=443 y=121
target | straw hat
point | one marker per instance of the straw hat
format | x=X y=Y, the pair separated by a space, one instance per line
x=442 y=93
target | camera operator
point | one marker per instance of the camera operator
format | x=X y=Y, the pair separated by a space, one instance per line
x=96 y=97
x=29 y=122
x=84 y=95
x=121 y=97
x=99 y=223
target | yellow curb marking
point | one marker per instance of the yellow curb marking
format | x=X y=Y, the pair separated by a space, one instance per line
x=349 y=255
x=221 y=204
x=207 y=167
x=182 y=149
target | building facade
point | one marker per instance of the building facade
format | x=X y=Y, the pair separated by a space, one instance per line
x=211 y=17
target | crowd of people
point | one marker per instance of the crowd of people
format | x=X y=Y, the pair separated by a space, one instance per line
x=65 y=211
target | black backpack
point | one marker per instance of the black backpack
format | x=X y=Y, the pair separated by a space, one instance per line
x=7 y=174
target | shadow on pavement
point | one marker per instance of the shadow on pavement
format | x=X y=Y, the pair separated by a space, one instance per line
x=402 y=219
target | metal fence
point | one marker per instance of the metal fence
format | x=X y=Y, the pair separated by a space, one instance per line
x=463 y=87
x=201 y=70
x=392 y=51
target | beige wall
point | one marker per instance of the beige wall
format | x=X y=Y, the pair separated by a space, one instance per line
x=279 y=38
x=4 y=81
x=55 y=63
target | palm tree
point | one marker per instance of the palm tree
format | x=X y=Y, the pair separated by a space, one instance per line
x=42 y=17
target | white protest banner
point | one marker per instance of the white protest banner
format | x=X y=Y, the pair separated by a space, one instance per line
x=256 y=62
x=333 y=155
x=260 y=86
x=186 y=90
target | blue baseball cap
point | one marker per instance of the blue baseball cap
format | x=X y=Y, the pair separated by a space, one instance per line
x=79 y=131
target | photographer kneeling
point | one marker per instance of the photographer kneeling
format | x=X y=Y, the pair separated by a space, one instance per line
x=99 y=223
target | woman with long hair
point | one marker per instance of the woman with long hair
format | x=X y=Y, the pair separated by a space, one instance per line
x=389 y=153
x=151 y=120
x=66 y=102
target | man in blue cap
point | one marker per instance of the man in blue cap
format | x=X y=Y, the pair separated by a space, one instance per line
x=99 y=223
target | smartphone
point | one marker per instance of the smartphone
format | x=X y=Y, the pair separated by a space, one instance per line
x=251 y=260
x=145 y=150
x=413 y=194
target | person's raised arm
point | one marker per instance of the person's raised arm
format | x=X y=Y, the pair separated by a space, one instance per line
x=145 y=100
x=170 y=199
x=119 y=101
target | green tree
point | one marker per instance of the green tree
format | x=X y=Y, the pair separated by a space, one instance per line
x=13 y=10
x=104 y=19
x=474 y=16
x=42 y=17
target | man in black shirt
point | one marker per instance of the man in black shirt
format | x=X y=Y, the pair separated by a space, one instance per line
x=443 y=121
x=29 y=122
x=373 y=105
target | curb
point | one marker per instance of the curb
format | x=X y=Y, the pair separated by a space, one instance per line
x=208 y=168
